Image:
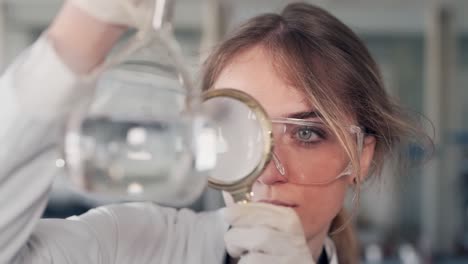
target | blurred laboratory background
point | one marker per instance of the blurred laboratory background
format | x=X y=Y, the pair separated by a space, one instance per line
x=420 y=216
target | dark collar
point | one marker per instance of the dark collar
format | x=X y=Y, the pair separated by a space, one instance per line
x=323 y=259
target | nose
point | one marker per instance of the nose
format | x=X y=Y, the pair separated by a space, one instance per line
x=274 y=172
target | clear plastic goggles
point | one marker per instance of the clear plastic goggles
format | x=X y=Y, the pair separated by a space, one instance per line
x=308 y=153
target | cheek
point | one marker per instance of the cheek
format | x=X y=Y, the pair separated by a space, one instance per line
x=313 y=165
x=319 y=205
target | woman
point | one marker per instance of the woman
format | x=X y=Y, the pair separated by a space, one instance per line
x=333 y=125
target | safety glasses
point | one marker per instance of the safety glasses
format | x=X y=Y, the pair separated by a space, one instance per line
x=309 y=153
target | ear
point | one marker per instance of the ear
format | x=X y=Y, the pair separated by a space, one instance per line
x=366 y=158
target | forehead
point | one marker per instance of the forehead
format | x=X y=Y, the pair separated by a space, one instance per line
x=253 y=72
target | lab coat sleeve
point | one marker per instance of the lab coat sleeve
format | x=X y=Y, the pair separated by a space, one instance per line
x=140 y=233
x=36 y=93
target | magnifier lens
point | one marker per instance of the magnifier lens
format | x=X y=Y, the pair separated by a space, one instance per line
x=239 y=139
x=244 y=141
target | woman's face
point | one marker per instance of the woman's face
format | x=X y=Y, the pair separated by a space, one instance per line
x=253 y=72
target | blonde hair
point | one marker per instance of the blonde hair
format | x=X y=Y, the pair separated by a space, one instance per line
x=331 y=66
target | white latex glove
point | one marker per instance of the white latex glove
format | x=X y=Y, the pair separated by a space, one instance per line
x=265 y=233
x=131 y=13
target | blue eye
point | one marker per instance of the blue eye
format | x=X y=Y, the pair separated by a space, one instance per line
x=307 y=135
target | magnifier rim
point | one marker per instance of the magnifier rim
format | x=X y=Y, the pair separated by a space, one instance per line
x=245 y=184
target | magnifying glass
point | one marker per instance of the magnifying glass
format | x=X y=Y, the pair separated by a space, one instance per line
x=244 y=141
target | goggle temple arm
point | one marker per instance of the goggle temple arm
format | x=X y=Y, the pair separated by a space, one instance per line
x=360 y=142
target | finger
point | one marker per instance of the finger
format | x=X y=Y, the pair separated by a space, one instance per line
x=256 y=258
x=253 y=214
x=240 y=240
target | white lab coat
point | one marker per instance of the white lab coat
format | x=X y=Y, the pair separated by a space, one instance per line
x=36 y=93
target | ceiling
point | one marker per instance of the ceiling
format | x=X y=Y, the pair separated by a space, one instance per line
x=381 y=16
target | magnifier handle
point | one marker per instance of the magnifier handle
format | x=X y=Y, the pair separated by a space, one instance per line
x=163 y=13
x=242 y=196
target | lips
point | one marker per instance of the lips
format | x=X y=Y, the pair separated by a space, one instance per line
x=279 y=203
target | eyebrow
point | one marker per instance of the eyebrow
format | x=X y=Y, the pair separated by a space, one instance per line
x=305 y=115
